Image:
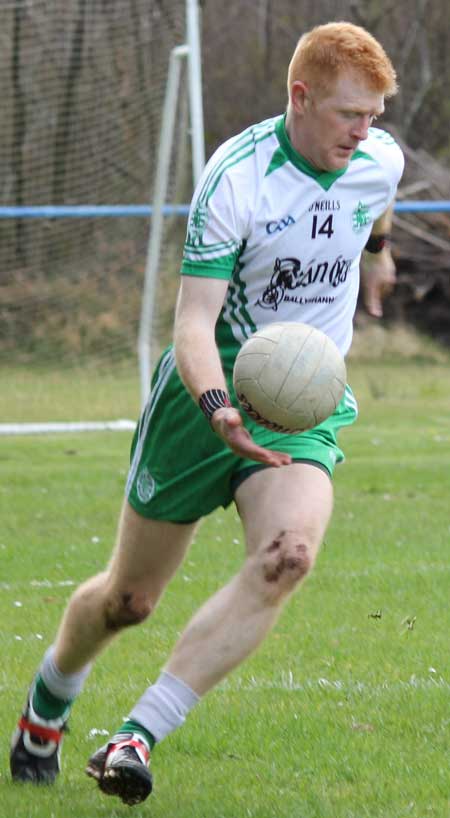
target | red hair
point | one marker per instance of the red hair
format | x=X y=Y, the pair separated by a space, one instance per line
x=326 y=50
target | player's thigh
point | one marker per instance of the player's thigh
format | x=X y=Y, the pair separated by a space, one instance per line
x=147 y=551
x=296 y=498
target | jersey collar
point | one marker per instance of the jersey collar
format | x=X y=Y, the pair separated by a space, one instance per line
x=288 y=154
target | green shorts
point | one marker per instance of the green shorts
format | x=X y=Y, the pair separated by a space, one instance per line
x=181 y=470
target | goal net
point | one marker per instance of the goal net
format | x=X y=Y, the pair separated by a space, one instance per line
x=83 y=85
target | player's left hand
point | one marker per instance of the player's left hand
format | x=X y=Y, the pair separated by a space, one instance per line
x=377 y=280
x=227 y=423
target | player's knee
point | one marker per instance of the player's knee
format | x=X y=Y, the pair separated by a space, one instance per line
x=284 y=562
x=126 y=608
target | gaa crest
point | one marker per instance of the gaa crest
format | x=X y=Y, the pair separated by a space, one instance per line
x=197 y=224
x=145 y=486
x=360 y=217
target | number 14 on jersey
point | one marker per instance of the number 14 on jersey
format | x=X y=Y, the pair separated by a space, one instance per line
x=324 y=229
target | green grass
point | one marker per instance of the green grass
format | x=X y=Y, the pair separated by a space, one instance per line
x=343 y=713
x=28 y=395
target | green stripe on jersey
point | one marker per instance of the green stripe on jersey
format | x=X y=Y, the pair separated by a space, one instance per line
x=279 y=159
x=362 y=155
x=235 y=313
x=206 y=270
x=240 y=148
x=323 y=178
x=215 y=267
x=237 y=302
x=205 y=249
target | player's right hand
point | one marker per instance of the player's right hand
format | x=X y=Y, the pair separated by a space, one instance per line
x=377 y=280
x=227 y=423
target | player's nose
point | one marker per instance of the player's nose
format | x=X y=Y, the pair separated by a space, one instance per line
x=360 y=130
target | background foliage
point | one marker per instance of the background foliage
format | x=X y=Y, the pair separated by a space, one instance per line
x=260 y=37
x=82 y=85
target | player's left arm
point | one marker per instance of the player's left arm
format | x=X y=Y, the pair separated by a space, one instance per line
x=200 y=368
x=377 y=265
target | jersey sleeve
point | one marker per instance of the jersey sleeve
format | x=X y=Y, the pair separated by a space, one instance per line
x=218 y=222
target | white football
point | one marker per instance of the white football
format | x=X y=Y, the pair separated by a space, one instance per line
x=289 y=377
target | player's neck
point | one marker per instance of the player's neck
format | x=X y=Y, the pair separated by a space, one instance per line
x=293 y=132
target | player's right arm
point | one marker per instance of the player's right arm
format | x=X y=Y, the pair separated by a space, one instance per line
x=198 y=306
x=378 y=267
x=377 y=264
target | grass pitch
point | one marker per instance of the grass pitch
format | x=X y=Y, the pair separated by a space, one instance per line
x=343 y=712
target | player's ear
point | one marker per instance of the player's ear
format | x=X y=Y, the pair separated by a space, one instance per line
x=299 y=96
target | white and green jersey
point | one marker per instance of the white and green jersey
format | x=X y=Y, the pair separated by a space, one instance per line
x=286 y=236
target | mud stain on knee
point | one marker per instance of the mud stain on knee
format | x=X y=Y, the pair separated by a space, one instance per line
x=122 y=612
x=276 y=543
x=292 y=560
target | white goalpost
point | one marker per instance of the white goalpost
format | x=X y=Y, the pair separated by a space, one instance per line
x=99 y=154
x=190 y=52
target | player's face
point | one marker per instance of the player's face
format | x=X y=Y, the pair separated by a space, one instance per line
x=331 y=126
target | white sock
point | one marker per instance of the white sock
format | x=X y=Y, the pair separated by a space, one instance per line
x=63 y=685
x=164 y=706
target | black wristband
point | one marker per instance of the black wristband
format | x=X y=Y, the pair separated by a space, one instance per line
x=213 y=399
x=375 y=244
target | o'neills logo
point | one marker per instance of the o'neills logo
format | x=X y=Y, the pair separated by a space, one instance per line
x=324 y=205
x=268 y=424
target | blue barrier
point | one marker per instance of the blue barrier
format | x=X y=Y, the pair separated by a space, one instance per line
x=83 y=211
x=102 y=211
x=420 y=207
